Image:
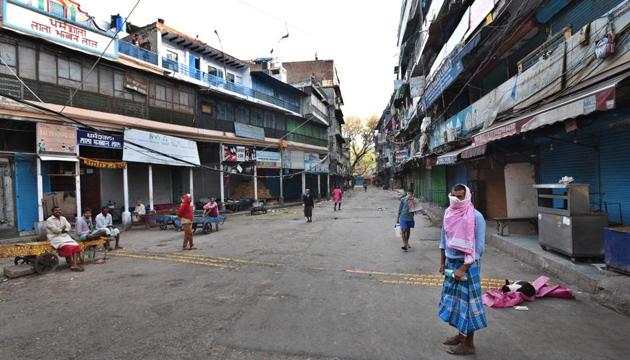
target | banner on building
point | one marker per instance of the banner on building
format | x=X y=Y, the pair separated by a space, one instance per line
x=293 y=159
x=56 y=139
x=91 y=138
x=313 y=164
x=147 y=147
x=268 y=159
x=401 y=155
x=238 y=153
x=417 y=85
x=249 y=131
x=40 y=21
x=104 y=164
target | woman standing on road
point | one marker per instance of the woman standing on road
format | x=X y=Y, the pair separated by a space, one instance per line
x=185 y=214
x=337 y=197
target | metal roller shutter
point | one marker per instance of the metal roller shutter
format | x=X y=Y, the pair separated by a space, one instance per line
x=615 y=175
x=579 y=13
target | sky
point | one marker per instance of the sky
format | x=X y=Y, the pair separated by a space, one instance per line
x=360 y=35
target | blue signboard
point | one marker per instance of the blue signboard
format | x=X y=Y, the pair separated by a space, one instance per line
x=90 y=138
x=249 y=131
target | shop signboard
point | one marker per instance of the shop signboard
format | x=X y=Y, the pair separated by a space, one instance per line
x=20 y=15
x=401 y=155
x=56 y=139
x=152 y=148
x=94 y=139
x=238 y=153
x=268 y=159
x=249 y=131
x=454 y=128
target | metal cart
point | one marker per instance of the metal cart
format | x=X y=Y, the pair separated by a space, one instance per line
x=566 y=223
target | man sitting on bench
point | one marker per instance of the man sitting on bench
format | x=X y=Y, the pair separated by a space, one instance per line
x=85 y=229
x=104 y=222
x=57 y=229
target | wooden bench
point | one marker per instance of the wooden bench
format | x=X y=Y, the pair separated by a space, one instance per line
x=43 y=256
x=503 y=223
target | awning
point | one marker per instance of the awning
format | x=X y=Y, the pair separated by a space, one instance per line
x=58 y=158
x=450 y=158
x=473 y=151
x=599 y=97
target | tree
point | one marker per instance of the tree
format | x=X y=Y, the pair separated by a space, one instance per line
x=360 y=135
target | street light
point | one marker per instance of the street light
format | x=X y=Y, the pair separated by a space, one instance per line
x=222 y=55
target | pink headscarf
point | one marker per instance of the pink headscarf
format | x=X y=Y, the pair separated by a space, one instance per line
x=459 y=225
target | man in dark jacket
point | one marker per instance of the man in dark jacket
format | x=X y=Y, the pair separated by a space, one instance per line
x=307 y=198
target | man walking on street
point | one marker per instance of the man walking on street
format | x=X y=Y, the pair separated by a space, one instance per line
x=337 y=197
x=462 y=243
x=307 y=198
x=405 y=218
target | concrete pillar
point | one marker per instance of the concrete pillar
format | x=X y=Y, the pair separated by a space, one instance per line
x=255 y=182
x=281 y=186
x=319 y=186
x=328 y=184
x=126 y=215
x=303 y=182
x=77 y=184
x=221 y=177
x=40 y=191
x=151 y=188
x=192 y=194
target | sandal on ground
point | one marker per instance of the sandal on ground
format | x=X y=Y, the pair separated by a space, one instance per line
x=192 y=248
x=76 y=268
x=460 y=350
x=452 y=341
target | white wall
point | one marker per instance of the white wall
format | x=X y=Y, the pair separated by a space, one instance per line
x=112 y=184
x=521 y=197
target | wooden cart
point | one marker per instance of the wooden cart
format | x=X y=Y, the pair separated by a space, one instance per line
x=43 y=256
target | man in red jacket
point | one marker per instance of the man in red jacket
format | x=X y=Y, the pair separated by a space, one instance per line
x=185 y=214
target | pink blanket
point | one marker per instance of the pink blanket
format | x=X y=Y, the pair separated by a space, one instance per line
x=498 y=299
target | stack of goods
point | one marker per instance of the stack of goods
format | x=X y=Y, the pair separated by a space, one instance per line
x=246 y=190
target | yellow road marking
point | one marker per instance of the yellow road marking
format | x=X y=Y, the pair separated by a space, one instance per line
x=213 y=261
x=432 y=280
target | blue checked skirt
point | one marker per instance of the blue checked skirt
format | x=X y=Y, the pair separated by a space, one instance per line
x=460 y=302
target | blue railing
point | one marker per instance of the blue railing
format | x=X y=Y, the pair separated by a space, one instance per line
x=230 y=86
x=137 y=52
x=172 y=65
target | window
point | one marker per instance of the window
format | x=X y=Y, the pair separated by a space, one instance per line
x=280 y=122
x=68 y=71
x=230 y=77
x=238 y=79
x=257 y=117
x=57 y=9
x=269 y=120
x=47 y=68
x=90 y=83
x=28 y=68
x=106 y=83
x=171 y=55
x=184 y=102
x=8 y=54
x=119 y=87
x=229 y=112
x=215 y=71
x=242 y=115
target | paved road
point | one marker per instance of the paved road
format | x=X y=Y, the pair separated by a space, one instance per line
x=275 y=287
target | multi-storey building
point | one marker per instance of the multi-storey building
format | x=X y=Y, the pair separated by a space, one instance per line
x=502 y=95
x=159 y=115
x=322 y=75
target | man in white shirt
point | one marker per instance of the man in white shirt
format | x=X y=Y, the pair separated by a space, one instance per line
x=104 y=222
x=57 y=232
x=139 y=211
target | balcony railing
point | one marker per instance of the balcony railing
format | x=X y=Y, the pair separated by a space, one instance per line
x=230 y=86
x=176 y=67
x=137 y=52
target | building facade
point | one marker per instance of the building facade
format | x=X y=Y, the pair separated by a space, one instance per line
x=161 y=114
x=503 y=95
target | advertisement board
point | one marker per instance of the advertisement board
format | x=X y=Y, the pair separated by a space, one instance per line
x=56 y=139
x=238 y=153
x=138 y=146
x=268 y=159
x=94 y=139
